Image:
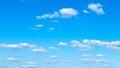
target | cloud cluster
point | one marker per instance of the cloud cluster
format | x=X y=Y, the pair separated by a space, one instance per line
x=87 y=44
x=62 y=13
x=33 y=48
x=95 y=7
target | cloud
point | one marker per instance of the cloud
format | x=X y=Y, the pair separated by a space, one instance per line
x=88 y=44
x=12 y=59
x=99 y=55
x=38 y=50
x=109 y=44
x=49 y=16
x=62 y=13
x=31 y=63
x=51 y=29
x=97 y=8
x=33 y=48
x=68 y=12
x=78 y=45
x=53 y=56
x=62 y=44
x=53 y=48
x=39 y=26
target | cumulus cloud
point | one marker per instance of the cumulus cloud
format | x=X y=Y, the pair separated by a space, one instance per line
x=79 y=45
x=62 y=13
x=68 y=12
x=87 y=44
x=62 y=44
x=33 y=48
x=109 y=44
x=96 y=7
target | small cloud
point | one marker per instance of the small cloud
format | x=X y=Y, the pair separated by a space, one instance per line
x=49 y=16
x=53 y=56
x=12 y=59
x=68 y=12
x=97 y=8
x=39 y=26
x=38 y=50
x=52 y=48
x=63 y=44
x=31 y=63
x=51 y=29
x=85 y=11
x=99 y=55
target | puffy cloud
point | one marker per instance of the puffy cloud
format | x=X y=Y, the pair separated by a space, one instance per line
x=78 y=45
x=12 y=59
x=68 y=12
x=87 y=44
x=112 y=45
x=97 y=8
x=33 y=48
x=62 y=44
x=62 y=13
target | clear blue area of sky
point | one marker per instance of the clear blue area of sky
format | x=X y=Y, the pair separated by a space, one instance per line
x=17 y=16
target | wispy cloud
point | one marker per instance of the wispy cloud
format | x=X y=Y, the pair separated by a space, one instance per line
x=12 y=59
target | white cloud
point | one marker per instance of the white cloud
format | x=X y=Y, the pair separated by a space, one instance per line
x=53 y=56
x=33 y=48
x=62 y=13
x=53 y=48
x=62 y=44
x=12 y=59
x=68 y=12
x=78 y=45
x=97 y=8
x=38 y=50
x=109 y=44
x=39 y=26
x=32 y=63
x=49 y=16
x=99 y=55
x=51 y=29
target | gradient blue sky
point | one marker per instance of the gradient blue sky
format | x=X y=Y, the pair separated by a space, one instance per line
x=59 y=33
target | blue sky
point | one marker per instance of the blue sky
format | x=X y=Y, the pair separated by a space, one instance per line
x=59 y=33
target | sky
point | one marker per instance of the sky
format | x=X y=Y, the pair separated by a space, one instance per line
x=59 y=33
